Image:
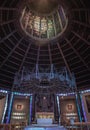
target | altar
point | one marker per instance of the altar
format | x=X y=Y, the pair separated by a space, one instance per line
x=44 y=121
x=44 y=118
x=51 y=127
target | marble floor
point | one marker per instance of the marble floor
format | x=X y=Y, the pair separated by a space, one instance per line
x=45 y=127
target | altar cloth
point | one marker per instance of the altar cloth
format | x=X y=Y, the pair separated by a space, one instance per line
x=45 y=128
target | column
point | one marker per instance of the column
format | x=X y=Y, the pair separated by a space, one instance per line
x=9 y=107
x=5 y=108
x=30 y=112
x=79 y=106
x=83 y=108
x=58 y=103
x=55 y=109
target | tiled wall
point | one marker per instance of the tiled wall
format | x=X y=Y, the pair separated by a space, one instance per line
x=20 y=110
x=86 y=112
x=68 y=109
x=2 y=104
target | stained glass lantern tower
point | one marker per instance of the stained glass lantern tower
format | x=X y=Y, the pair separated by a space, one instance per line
x=43 y=26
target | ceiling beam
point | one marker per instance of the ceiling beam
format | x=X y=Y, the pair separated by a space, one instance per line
x=76 y=52
x=10 y=34
x=81 y=9
x=83 y=3
x=61 y=52
x=80 y=23
x=7 y=22
x=76 y=34
x=75 y=3
x=24 y=57
x=7 y=71
x=49 y=50
x=11 y=53
x=82 y=81
x=6 y=76
x=8 y=9
x=38 y=53
x=5 y=81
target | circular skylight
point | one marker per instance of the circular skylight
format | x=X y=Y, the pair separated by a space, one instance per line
x=43 y=26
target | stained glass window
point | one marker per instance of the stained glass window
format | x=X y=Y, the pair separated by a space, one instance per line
x=43 y=27
x=57 y=22
x=37 y=26
x=30 y=23
x=50 y=27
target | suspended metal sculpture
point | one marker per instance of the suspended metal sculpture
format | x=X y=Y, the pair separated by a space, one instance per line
x=44 y=81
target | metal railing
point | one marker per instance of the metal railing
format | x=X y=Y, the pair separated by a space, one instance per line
x=75 y=126
x=12 y=126
x=78 y=126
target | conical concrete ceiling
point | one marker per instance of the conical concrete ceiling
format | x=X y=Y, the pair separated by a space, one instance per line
x=71 y=49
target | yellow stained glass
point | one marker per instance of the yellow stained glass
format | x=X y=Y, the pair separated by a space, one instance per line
x=37 y=24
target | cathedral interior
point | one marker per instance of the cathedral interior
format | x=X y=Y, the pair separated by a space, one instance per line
x=44 y=64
